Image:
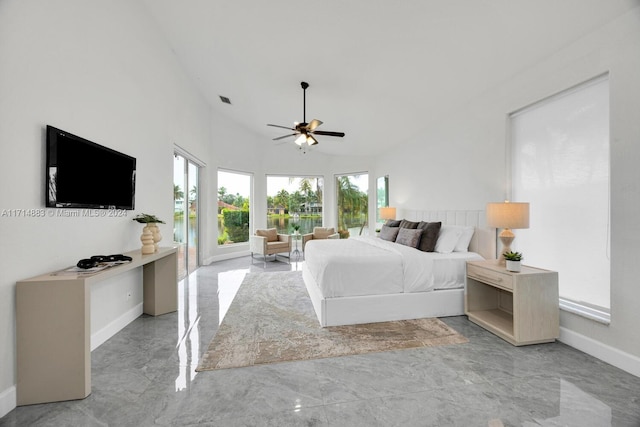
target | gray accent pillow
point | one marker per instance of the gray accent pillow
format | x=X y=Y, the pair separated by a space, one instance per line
x=409 y=237
x=408 y=224
x=430 y=231
x=389 y=233
x=392 y=223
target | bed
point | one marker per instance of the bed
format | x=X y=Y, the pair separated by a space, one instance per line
x=368 y=279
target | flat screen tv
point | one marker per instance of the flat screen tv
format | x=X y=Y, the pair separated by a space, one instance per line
x=83 y=174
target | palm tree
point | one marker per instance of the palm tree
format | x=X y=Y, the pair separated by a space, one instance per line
x=222 y=191
x=193 y=196
x=282 y=198
x=306 y=190
x=178 y=194
x=352 y=203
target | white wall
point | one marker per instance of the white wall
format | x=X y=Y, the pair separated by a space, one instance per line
x=100 y=70
x=459 y=163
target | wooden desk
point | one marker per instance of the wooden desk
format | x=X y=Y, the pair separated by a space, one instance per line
x=53 y=324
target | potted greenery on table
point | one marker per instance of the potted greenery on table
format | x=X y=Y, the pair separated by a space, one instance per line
x=150 y=233
x=513 y=261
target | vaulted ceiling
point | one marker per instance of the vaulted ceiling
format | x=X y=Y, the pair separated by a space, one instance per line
x=380 y=71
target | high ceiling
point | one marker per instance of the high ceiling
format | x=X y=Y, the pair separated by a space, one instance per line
x=380 y=71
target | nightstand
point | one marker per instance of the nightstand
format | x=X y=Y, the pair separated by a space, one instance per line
x=521 y=308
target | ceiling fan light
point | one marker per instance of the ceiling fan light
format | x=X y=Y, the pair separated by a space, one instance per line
x=301 y=139
x=311 y=140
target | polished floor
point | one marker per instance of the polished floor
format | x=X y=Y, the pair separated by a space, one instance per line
x=144 y=376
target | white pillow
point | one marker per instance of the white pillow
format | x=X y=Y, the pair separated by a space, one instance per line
x=465 y=238
x=447 y=239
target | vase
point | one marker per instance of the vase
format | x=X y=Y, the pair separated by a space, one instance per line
x=514 y=266
x=146 y=238
x=155 y=230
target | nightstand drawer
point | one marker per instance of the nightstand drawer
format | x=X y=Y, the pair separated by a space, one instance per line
x=495 y=278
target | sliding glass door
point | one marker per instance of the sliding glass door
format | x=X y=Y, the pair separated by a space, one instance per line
x=185 y=218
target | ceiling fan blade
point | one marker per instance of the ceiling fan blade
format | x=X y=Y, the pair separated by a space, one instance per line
x=314 y=124
x=328 y=133
x=285 y=136
x=313 y=140
x=283 y=127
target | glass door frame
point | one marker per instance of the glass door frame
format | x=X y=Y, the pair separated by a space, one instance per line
x=190 y=160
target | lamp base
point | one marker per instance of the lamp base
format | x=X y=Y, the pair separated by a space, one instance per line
x=506 y=237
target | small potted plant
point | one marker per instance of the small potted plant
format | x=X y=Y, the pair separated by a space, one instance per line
x=296 y=228
x=513 y=261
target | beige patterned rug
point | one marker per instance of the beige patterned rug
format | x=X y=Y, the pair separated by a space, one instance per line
x=271 y=319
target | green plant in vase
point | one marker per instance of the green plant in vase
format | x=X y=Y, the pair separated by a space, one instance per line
x=513 y=260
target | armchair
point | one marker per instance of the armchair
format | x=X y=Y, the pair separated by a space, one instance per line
x=268 y=242
x=320 y=233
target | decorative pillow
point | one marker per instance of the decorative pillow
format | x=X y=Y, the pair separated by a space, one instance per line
x=392 y=223
x=323 y=232
x=270 y=233
x=389 y=233
x=409 y=237
x=447 y=239
x=429 y=237
x=408 y=224
x=465 y=238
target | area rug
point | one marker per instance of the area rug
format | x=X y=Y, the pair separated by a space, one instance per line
x=271 y=320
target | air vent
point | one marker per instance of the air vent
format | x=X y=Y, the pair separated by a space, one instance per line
x=225 y=100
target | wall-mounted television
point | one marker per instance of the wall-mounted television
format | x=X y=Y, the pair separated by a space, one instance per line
x=82 y=174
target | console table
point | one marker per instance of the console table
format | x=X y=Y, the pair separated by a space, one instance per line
x=53 y=330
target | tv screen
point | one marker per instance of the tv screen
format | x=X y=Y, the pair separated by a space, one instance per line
x=83 y=174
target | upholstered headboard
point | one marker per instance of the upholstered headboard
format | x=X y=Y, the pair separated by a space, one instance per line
x=484 y=238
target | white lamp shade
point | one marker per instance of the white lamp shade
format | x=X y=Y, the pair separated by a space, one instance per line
x=387 y=213
x=511 y=215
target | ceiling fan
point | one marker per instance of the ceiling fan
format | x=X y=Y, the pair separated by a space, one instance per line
x=305 y=131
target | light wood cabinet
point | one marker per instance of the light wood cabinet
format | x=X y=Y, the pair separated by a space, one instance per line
x=521 y=308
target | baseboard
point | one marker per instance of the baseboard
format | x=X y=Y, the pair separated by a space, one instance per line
x=625 y=361
x=114 y=327
x=224 y=257
x=8 y=400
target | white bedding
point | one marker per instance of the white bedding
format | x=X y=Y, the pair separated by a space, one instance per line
x=372 y=266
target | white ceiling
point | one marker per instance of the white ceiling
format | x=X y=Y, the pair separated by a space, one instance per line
x=380 y=71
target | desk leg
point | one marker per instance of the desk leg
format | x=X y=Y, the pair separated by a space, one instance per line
x=160 y=286
x=53 y=341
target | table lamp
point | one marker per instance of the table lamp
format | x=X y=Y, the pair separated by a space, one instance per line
x=508 y=216
x=387 y=213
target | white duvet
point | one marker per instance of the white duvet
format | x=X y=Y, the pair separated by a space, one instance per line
x=372 y=266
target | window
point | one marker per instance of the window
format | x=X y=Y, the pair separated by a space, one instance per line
x=294 y=200
x=382 y=195
x=560 y=164
x=353 y=204
x=234 y=189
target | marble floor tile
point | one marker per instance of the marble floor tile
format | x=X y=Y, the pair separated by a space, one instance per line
x=145 y=376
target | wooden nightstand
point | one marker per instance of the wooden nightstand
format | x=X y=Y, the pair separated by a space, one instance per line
x=521 y=308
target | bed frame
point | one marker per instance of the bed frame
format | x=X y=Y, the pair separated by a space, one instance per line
x=401 y=306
